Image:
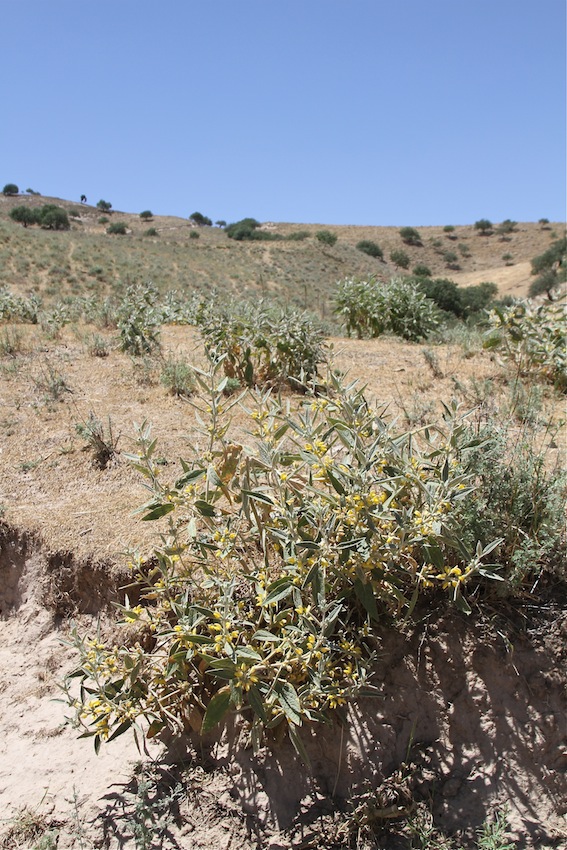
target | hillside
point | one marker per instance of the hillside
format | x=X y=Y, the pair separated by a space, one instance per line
x=86 y=260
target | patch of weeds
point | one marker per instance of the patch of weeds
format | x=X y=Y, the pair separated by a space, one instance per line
x=10 y=341
x=100 y=440
x=145 y=371
x=178 y=376
x=98 y=346
x=29 y=828
x=492 y=835
x=155 y=808
x=433 y=362
x=139 y=320
x=51 y=383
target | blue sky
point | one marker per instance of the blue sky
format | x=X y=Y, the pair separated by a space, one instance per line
x=316 y=111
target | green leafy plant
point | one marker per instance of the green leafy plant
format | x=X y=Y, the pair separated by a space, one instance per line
x=422 y=271
x=151 y=231
x=139 y=320
x=532 y=337
x=146 y=215
x=371 y=307
x=276 y=561
x=262 y=347
x=105 y=206
x=10 y=189
x=178 y=376
x=52 y=217
x=551 y=270
x=25 y=215
x=200 y=219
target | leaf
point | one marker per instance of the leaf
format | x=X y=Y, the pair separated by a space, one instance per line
x=365 y=594
x=279 y=589
x=298 y=745
x=289 y=701
x=245 y=653
x=204 y=508
x=158 y=511
x=256 y=703
x=154 y=728
x=262 y=635
x=259 y=497
x=192 y=475
x=120 y=730
x=216 y=709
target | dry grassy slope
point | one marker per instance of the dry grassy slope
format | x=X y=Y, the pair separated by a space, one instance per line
x=87 y=260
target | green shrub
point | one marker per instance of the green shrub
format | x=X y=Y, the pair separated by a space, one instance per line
x=146 y=215
x=422 y=271
x=194 y=235
x=451 y=260
x=550 y=268
x=462 y=302
x=326 y=237
x=410 y=236
x=18 y=308
x=25 y=215
x=448 y=228
x=260 y=346
x=279 y=559
x=118 y=228
x=243 y=229
x=10 y=189
x=52 y=217
x=151 y=231
x=298 y=236
x=370 y=308
x=370 y=248
x=400 y=258
x=105 y=206
x=475 y=299
x=103 y=219
x=484 y=226
x=532 y=338
x=507 y=226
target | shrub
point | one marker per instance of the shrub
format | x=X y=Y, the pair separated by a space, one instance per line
x=18 y=308
x=532 y=338
x=326 y=237
x=25 y=215
x=422 y=271
x=52 y=217
x=370 y=308
x=100 y=440
x=544 y=222
x=139 y=321
x=151 y=231
x=551 y=268
x=246 y=228
x=410 y=236
x=31 y=192
x=278 y=561
x=220 y=223
x=263 y=347
x=484 y=226
x=146 y=215
x=298 y=236
x=105 y=206
x=370 y=248
x=118 y=228
x=194 y=235
x=507 y=226
x=10 y=189
x=200 y=219
x=475 y=299
x=400 y=258
x=451 y=260
x=103 y=219
x=462 y=302
x=448 y=228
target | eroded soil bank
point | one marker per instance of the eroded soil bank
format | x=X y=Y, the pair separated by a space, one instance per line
x=472 y=718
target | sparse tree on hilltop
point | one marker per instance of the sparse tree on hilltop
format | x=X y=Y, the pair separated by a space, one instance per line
x=10 y=189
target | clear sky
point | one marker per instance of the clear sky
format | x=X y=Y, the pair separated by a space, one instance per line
x=385 y=112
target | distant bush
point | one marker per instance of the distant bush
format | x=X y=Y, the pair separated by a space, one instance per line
x=10 y=189
x=118 y=228
x=200 y=219
x=462 y=302
x=103 y=219
x=139 y=320
x=25 y=215
x=105 y=206
x=370 y=308
x=326 y=237
x=410 y=236
x=448 y=228
x=52 y=217
x=507 y=226
x=451 y=260
x=194 y=235
x=247 y=229
x=422 y=271
x=400 y=258
x=477 y=298
x=178 y=376
x=550 y=268
x=151 y=231
x=544 y=222
x=31 y=192
x=146 y=215
x=370 y=248
x=484 y=226
x=298 y=236
x=220 y=223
